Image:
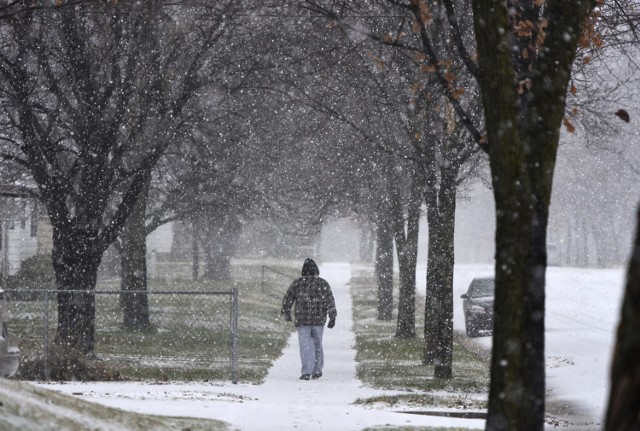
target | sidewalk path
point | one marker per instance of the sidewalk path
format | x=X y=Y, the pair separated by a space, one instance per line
x=283 y=402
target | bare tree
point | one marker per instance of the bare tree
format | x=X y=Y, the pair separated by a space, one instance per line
x=435 y=88
x=92 y=112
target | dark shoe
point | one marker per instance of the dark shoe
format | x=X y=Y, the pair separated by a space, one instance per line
x=305 y=377
x=316 y=375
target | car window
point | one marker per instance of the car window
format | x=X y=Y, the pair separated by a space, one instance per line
x=482 y=287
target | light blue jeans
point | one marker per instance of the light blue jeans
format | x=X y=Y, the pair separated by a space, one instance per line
x=311 y=354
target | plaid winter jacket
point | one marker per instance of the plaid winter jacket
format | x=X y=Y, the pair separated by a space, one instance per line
x=314 y=300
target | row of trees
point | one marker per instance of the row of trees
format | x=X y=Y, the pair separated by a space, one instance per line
x=127 y=115
x=526 y=51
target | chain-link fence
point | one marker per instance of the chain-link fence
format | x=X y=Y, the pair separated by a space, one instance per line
x=192 y=334
x=267 y=274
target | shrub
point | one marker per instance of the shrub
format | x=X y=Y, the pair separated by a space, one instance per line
x=67 y=364
x=35 y=273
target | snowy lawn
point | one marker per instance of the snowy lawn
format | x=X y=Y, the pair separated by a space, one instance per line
x=193 y=324
x=582 y=308
x=282 y=401
x=387 y=362
x=27 y=407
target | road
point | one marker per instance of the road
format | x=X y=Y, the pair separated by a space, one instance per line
x=582 y=311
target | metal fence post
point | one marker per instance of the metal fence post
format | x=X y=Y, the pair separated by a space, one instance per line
x=46 y=335
x=234 y=334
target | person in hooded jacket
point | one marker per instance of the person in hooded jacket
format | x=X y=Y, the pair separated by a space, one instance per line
x=313 y=302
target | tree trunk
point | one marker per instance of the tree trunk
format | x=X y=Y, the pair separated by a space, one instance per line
x=407 y=248
x=523 y=129
x=76 y=267
x=438 y=326
x=406 y=323
x=218 y=262
x=384 y=270
x=518 y=349
x=366 y=241
x=133 y=263
x=219 y=247
x=624 y=397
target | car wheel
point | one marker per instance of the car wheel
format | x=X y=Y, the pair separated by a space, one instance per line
x=472 y=331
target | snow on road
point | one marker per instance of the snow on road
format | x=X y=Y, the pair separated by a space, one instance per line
x=283 y=402
x=582 y=312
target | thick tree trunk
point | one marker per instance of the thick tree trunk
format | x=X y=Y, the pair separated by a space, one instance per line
x=133 y=262
x=523 y=127
x=438 y=327
x=518 y=350
x=624 y=397
x=76 y=267
x=384 y=270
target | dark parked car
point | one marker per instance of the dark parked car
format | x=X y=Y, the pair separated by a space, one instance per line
x=478 y=306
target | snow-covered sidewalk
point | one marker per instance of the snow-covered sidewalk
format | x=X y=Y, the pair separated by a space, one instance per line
x=283 y=402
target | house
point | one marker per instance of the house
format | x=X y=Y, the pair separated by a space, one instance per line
x=24 y=231
x=18 y=227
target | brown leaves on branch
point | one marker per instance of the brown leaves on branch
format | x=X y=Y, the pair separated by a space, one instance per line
x=524 y=28
x=377 y=60
x=567 y=124
x=456 y=93
x=428 y=68
x=450 y=77
x=534 y=32
x=423 y=13
x=590 y=36
x=391 y=38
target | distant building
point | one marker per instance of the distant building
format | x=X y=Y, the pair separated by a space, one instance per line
x=18 y=228
x=161 y=239
x=26 y=231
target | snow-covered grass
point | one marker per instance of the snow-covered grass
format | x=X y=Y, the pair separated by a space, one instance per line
x=388 y=362
x=282 y=401
x=27 y=407
x=582 y=311
x=189 y=334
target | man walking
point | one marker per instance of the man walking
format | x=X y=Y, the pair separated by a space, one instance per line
x=313 y=302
